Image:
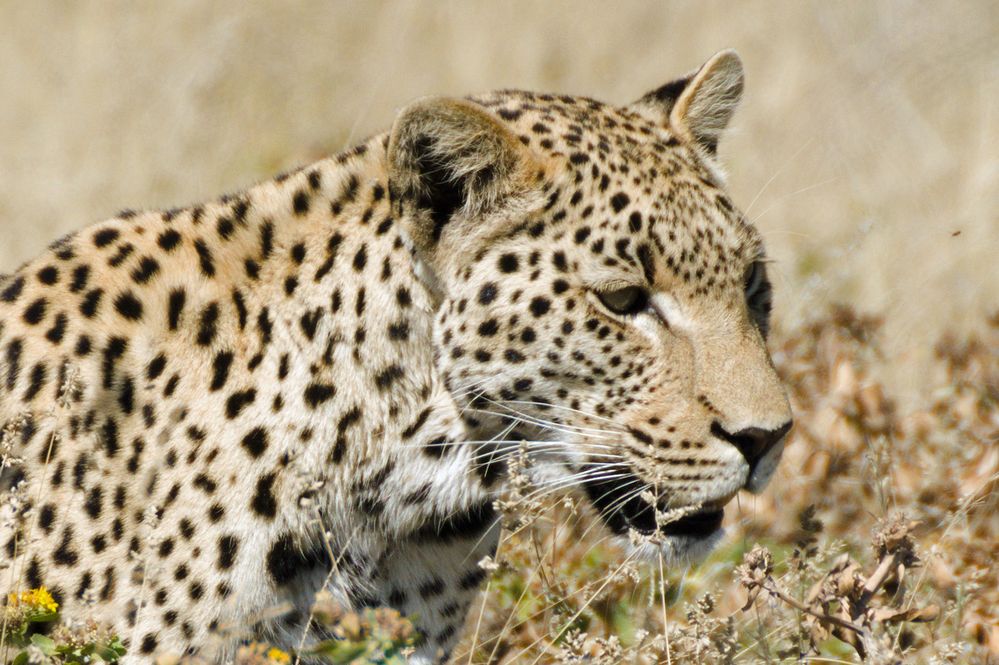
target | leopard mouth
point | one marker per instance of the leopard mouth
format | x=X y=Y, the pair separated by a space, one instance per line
x=618 y=502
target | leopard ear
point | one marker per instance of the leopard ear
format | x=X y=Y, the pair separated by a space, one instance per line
x=700 y=105
x=451 y=162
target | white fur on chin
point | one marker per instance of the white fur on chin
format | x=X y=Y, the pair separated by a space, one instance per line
x=675 y=550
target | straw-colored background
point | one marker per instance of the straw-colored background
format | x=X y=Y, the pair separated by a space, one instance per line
x=866 y=146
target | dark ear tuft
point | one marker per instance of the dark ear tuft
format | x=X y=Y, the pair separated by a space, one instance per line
x=699 y=106
x=449 y=156
x=439 y=192
x=663 y=98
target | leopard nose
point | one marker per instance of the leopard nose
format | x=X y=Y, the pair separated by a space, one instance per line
x=752 y=442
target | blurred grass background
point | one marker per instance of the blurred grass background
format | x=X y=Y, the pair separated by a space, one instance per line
x=866 y=147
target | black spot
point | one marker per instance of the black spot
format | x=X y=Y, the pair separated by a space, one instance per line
x=619 y=201
x=37 y=381
x=156 y=367
x=204 y=483
x=488 y=293
x=238 y=401
x=488 y=328
x=48 y=275
x=128 y=306
x=560 y=262
x=220 y=369
x=83 y=346
x=263 y=502
x=124 y=251
x=255 y=441
x=81 y=274
x=126 y=395
x=225 y=227
x=228 y=548
x=415 y=426
x=105 y=237
x=388 y=376
x=206 y=262
x=13 y=290
x=361 y=258
x=208 y=324
x=315 y=180
x=148 y=643
x=317 y=393
x=14 y=350
x=540 y=306
x=216 y=512
x=46 y=516
x=310 y=321
x=186 y=529
x=432 y=587
x=472 y=579
x=398 y=331
x=112 y=352
x=457 y=526
x=175 y=305
x=508 y=263
x=285 y=560
x=300 y=202
x=148 y=266
x=514 y=356
x=35 y=312
x=168 y=240
x=91 y=301
x=635 y=222
x=58 y=329
x=438 y=447
x=648 y=266
x=241 y=313
x=64 y=554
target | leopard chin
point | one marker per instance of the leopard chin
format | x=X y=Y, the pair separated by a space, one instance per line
x=687 y=538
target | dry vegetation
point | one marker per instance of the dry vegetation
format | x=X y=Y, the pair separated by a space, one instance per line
x=877 y=539
x=866 y=153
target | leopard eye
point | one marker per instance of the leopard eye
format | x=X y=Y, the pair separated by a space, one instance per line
x=756 y=276
x=626 y=301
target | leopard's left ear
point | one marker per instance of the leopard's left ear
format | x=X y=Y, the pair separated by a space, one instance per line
x=700 y=105
x=452 y=166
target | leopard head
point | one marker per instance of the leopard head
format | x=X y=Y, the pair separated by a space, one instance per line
x=602 y=302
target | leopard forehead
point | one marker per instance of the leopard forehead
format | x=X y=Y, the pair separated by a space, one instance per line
x=629 y=193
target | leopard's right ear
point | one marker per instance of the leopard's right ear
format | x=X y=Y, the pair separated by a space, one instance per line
x=700 y=105
x=452 y=163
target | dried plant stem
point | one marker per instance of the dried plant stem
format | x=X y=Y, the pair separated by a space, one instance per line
x=775 y=590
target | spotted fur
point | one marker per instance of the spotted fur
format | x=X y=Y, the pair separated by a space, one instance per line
x=223 y=408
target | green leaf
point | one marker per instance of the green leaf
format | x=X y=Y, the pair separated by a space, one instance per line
x=45 y=643
x=337 y=651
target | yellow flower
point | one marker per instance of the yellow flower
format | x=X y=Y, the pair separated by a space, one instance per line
x=39 y=598
x=278 y=656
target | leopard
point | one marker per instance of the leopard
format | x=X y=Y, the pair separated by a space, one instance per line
x=318 y=384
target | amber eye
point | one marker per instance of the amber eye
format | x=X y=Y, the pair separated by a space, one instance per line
x=629 y=300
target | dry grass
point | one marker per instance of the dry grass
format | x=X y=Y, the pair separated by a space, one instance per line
x=880 y=531
x=865 y=151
